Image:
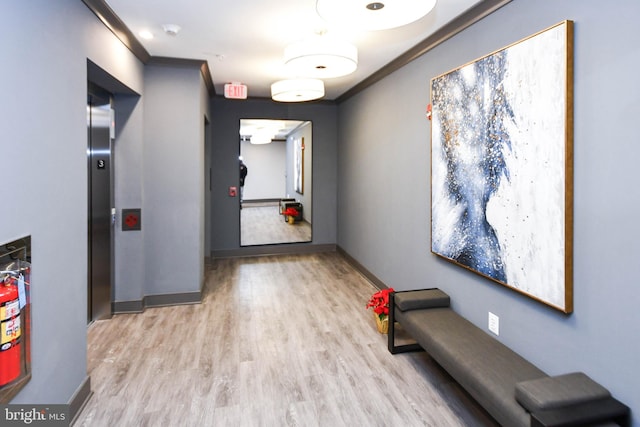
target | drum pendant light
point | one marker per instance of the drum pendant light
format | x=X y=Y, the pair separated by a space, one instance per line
x=297 y=90
x=321 y=57
x=371 y=15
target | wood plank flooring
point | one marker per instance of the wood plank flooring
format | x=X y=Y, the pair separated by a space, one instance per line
x=262 y=224
x=277 y=341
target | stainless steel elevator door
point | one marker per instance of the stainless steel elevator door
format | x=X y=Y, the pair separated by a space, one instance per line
x=100 y=205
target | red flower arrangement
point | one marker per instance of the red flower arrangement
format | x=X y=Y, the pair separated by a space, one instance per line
x=291 y=212
x=380 y=303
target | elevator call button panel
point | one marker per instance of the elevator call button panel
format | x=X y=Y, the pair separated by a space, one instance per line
x=131 y=219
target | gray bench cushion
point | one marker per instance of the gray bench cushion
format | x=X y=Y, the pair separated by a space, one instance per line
x=486 y=368
x=424 y=298
x=559 y=391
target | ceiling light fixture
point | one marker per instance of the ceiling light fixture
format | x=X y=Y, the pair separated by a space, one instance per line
x=171 y=29
x=321 y=57
x=297 y=90
x=261 y=139
x=371 y=15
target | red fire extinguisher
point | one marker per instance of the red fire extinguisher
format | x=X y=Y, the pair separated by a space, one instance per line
x=10 y=332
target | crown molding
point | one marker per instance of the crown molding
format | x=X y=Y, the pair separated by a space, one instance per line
x=468 y=18
x=110 y=20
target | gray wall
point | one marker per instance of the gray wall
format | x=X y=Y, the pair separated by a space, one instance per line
x=128 y=163
x=45 y=46
x=174 y=180
x=383 y=203
x=159 y=166
x=225 y=150
x=159 y=155
x=266 y=170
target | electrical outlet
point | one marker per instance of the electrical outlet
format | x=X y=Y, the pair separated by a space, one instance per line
x=494 y=323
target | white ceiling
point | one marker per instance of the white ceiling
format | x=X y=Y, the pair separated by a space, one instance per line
x=278 y=129
x=244 y=40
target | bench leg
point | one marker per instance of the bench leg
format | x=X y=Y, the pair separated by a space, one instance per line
x=391 y=339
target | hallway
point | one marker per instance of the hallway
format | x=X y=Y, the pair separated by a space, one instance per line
x=277 y=341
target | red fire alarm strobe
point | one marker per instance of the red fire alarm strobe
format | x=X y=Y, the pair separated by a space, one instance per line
x=235 y=91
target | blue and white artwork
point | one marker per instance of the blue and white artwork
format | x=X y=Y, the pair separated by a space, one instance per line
x=499 y=176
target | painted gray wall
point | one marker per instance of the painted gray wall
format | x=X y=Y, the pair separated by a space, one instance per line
x=45 y=46
x=266 y=170
x=225 y=151
x=174 y=178
x=159 y=166
x=128 y=163
x=384 y=213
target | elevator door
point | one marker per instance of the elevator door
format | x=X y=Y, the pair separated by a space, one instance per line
x=100 y=165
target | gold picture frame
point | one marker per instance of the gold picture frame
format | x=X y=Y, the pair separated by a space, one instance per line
x=502 y=166
x=298 y=165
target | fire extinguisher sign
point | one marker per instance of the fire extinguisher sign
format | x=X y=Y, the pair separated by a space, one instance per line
x=10 y=319
x=10 y=330
x=9 y=310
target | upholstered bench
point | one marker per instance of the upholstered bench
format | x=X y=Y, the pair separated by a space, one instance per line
x=510 y=388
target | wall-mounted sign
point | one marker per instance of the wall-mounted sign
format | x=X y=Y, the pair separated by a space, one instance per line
x=131 y=219
x=235 y=91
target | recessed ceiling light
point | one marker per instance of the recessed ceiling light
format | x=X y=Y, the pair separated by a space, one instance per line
x=146 y=34
x=171 y=29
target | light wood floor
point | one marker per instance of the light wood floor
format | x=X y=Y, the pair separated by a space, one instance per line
x=277 y=341
x=260 y=223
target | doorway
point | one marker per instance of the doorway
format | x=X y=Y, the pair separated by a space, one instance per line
x=101 y=215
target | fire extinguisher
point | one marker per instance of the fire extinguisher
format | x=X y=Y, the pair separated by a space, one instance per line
x=10 y=332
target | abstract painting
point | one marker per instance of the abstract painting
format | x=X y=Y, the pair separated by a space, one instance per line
x=501 y=166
